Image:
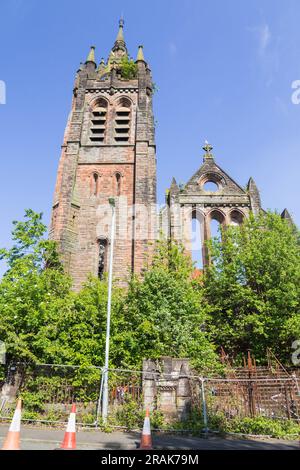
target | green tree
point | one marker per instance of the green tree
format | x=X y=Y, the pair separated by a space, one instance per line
x=164 y=312
x=30 y=251
x=41 y=318
x=33 y=283
x=253 y=287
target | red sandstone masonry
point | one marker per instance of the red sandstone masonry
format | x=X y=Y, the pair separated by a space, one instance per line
x=79 y=218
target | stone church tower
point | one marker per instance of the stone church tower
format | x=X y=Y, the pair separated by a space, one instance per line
x=108 y=151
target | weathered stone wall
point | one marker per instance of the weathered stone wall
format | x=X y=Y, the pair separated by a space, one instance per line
x=228 y=204
x=79 y=217
x=166 y=387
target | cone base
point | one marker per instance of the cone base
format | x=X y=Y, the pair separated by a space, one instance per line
x=146 y=442
x=69 y=442
x=12 y=441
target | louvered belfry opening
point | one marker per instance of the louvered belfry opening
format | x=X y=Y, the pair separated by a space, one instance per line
x=122 y=121
x=98 y=122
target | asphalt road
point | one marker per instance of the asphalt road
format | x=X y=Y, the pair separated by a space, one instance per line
x=47 y=439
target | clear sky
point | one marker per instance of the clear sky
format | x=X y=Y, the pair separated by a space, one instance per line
x=224 y=71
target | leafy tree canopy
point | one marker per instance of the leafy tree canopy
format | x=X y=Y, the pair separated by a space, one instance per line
x=253 y=287
x=43 y=320
x=248 y=298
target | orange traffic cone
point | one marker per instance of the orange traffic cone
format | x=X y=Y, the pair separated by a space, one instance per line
x=69 y=441
x=146 y=440
x=12 y=441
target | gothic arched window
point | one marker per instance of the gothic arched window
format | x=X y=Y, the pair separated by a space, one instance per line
x=217 y=220
x=98 y=121
x=122 y=120
x=236 y=217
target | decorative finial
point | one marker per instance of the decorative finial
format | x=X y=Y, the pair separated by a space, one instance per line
x=121 y=22
x=207 y=148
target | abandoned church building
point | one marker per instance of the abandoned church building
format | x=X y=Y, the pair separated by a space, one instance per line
x=109 y=151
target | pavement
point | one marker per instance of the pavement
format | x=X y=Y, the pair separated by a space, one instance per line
x=33 y=438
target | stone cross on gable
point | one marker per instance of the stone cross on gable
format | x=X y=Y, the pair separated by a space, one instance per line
x=207 y=148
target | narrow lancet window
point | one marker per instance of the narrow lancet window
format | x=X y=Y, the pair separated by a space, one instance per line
x=118 y=184
x=95 y=184
x=102 y=258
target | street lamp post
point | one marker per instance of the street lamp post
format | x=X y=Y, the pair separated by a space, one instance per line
x=110 y=270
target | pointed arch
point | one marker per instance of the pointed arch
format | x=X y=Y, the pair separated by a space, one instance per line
x=216 y=220
x=122 y=119
x=236 y=217
x=98 y=111
x=218 y=215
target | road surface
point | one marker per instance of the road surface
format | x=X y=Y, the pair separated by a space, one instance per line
x=33 y=438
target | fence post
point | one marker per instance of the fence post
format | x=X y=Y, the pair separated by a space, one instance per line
x=251 y=398
x=204 y=409
x=288 y=412
x=100 y=398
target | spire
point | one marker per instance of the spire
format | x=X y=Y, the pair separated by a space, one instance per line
x=120 y=41
x=140 y=54
x=91 y=55
x=120 y=36
x=207 y=148
x=119 y=49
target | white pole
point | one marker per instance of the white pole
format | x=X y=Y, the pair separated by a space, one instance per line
x=110 y=270
x=204 y=411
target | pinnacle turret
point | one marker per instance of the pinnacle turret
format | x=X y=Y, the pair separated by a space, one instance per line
x=140 y=54
x=91 y=55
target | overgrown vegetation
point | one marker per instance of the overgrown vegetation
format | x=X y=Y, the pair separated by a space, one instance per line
x=261 y=425
x=253 y=287
x=128 y=68
x=43 y=320
x=257 y=425
x=249 y=297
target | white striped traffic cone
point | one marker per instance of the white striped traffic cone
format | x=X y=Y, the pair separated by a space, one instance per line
x=12 y=441
x=146 y=440
x=69 y=441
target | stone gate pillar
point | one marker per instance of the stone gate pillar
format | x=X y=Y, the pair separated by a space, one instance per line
x=166 y=387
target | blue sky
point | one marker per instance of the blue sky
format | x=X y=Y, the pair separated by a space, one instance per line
x=223 y=69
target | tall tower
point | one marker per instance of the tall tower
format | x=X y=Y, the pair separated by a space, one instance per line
x=108 y=151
